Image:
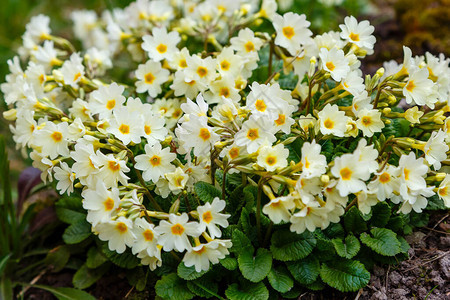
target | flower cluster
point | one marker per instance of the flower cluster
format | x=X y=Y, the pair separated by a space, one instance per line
x=184 y=105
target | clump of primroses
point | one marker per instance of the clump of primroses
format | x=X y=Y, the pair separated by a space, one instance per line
x=187 y=108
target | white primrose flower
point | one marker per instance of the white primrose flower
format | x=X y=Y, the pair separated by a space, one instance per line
x=419 y=89
x=182 y=86
x=365 y=201
x=72 y=70
x=161 y=44
x=196 y=134
x=53 y=139
x=44 y=164
x=359 y=34
x=436 y=149
x=150 y=78
x=200 y=70
x=201 y=255
x=309 y=217
x=413 y=115
x=255 y=132
x=272 y=158
x=353 y=83
x=332 y=120
x=65 y=177
x=25 y=128
x=84 y=167
x=210 y=217
x=279 y=209
x=126 y=126
x=386 y=182
x=229 y=63
x=118 y=233
x=350 y=174
x=146 y=238
x=174 y=233
x=199 y=109
x=361 y=101
x=369 y=121
x=100 y=202
x=444 y=190
x=154 y=126
x=176 y=181
x=155 y=162
x=107 y=98
x=246 y=42
x=412 y=172
x=151 y=261
x=38 y=28
x=314 y=164
x=292 y=31
x=112 y=169
x=335 y=62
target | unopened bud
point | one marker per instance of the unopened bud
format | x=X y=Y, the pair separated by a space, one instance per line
x=380 y=72
x=325 y=178
x=175 y=207
x=10 y=115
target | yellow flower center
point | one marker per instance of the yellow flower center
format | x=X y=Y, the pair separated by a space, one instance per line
x=77 y=76
x=281 y=119
x=234 y=152
x=288 y=32
x=121 y=227
x=271 y=160
x=406 y=173
x=328 y=124
x=207 y=217
x=330 y=66
x=252 y=134
x=57 y=136
x=111 y=104
x=225 y=65
x=204 y=134
x=177 y=229
x=113 y=166
x=202 y=71
x=161 y=48
x=109 y=204
x=147 y=129
x=249 y=46
x=155 y=160
x=124 y=129
x=225 y=92
x=148 y=235
x=200 y=251
x=354 y=37
x=260 y=105
x=385 y=177
x=182 y=63
x=346 y=173
x=410 y=86
x=443 y=191
x=366 y=120
x=149 y=78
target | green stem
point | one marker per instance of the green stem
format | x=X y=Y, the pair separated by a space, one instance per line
x=207 y=290
x=258 y=207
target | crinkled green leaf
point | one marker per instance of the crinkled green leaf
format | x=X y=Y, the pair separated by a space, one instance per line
x=353 y=221
x=65 y=293
x=77 y=232
x=206 y=191
x=345 y=275
x=288 y=246
x=86 y=277
x=70 y=210
x=348 y=249
x=229 y=263
x=125 y=260
x=203 y=287
x=255 y=268
x=280 y=279
x=241 y=243
x=95 y=258
x=436 y=203
x=250 y=291
x=380 y=214
x=189 y=273
x=306 y=270
x=173 y=287
x=57 y=258
x=383 y=241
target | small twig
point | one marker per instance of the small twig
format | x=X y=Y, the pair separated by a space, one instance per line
x=439 y=231
x=129 y=292
x=359 y=294
x=427 y=262
x=35 y=279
